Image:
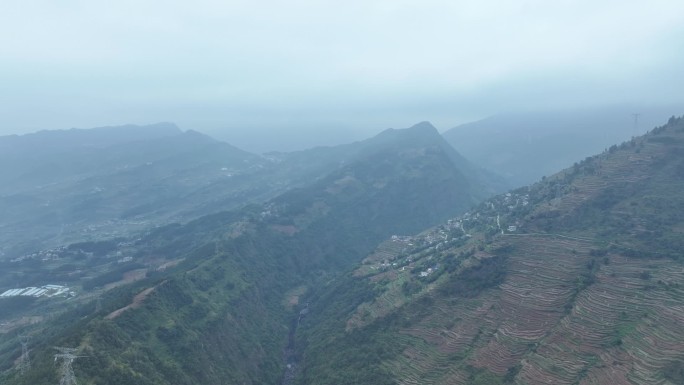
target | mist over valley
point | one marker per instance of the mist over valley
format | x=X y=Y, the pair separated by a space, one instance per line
x=364 y=193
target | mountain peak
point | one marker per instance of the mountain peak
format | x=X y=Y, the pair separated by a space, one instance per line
x=420 y=131
x=424 y=125
x=197 y=134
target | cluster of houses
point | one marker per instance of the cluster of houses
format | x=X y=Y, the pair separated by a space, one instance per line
x=429 y=271
x=43 y=255
x=43 y=291
x=490 y=214
x=493 y=211
x=62 y=251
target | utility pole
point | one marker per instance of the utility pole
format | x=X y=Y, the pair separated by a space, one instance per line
x=67 y=355
x=25 y=359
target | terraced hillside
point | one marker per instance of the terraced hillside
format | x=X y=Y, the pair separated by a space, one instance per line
x=578 y=279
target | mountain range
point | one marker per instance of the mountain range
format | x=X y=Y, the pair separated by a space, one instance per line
x=77 y=185
x=84 y=185
x=573 y=280
x=211 y=300
x=386 y=261
x=525 y=146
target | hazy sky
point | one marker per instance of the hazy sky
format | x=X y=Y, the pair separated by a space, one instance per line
x=324 y=65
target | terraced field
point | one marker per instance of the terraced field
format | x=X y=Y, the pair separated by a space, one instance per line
x=621 y=167
x=623 y=328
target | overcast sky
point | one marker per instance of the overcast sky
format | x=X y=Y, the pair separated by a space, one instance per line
x=357 y=65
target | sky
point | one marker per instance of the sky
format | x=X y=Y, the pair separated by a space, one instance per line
x=328 y=70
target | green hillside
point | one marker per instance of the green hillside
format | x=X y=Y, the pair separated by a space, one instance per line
x=574 y=280
x=223 y=313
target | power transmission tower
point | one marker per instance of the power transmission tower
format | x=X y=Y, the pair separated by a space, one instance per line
x=636 y=122
x=25 y=359
x=67 y=355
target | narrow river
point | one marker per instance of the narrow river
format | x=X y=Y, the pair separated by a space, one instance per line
x=290 y=353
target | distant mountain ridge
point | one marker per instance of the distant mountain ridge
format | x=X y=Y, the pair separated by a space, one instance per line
x=63 y=184
x=525 y=146
x=62 y=140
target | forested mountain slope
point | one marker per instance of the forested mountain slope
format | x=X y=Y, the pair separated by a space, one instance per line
x=574 y=280
x=315 y=162
x=58 y=187
x=222 y=313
